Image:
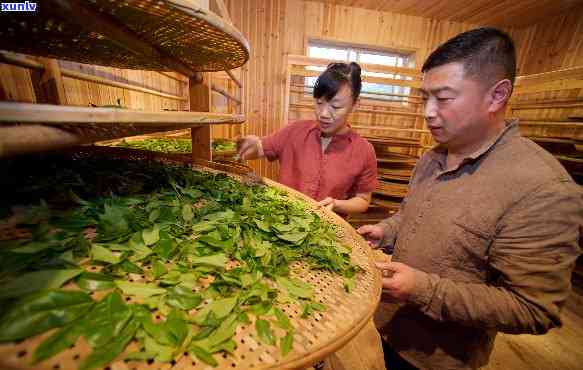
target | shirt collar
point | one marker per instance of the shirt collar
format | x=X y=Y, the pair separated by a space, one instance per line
x=349 y=135
x=439 y=153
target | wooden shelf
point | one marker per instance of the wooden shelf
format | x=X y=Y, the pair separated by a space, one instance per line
x=106 y=117
x=137 y=34
x=27 y=128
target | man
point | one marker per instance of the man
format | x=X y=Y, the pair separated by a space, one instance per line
x=487 y=237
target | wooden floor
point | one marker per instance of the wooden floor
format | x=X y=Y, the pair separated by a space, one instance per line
x=558 y=349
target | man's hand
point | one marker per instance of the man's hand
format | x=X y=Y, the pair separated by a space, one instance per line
x=398 y=279
x=372 y=233
x=328 y=203
x=249 y=147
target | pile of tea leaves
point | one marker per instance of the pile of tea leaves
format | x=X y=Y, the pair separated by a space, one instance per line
x=172 y=259
x=164 y=145
x=169 y=145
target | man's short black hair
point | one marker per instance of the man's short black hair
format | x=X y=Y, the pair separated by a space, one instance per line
x=337 y=74
x=487 y=54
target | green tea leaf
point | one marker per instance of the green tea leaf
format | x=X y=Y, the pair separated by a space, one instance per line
x=286 y=343
x=294 y=237
x=165 y=246
x=264 y=331
x=37 y=280
x=99 y=253
x=216 y=260
x=198 y=353
x=310 y=307
x=282 y=319
x=154 y=215
x=95 y=281
x=130 y=267
x=183 y=298
x=349 y=285
x=223 y=333
x=151 y=236
x=106 y=320
x=261 y=308
x=41 y=311
x=177 y=326
x=187 y=213
x=139 y=289
x=58 y=342
x=158 y=269
x=296 y=287
x=220 y=308
x=107 y=353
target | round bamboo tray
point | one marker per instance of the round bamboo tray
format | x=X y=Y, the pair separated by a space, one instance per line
x=134 y=34
x=315 y=337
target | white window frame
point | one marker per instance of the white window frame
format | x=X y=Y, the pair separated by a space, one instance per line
x=363 y=55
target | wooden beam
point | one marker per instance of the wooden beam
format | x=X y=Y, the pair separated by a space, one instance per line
x=301 y=71
x=166 y=74
x=302 y=60
x=575 y=73
x=105 y=117
x=121 y=85
x=368 y=111
x=225 y=94
x=234 y=79
x=551 y=123
x=406 y=98
x=550 y=86
x=545 y=106
x=51 y=82
x=388 y=128
x=25 y=139
x=200 y=100
x=223 y=11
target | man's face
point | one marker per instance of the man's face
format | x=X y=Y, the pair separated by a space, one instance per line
x=332 y=114
x=455 y=107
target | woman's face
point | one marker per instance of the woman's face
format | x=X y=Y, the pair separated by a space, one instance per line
x=331 y=114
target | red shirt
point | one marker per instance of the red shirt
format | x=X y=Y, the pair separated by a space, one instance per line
x=347 y=167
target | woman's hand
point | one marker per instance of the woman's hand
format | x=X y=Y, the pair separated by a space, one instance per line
x=249 y=147
x=328 y=203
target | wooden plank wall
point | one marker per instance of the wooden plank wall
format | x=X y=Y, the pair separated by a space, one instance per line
x=264 y=25
x=18 y=86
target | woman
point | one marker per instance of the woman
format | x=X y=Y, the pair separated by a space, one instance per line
x=324 y=158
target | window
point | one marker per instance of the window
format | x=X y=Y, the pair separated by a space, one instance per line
x=370 y=90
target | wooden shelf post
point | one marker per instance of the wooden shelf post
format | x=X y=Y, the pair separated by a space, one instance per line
x=199 y=88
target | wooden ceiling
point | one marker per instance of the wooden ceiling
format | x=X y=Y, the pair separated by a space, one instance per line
x=502 y=13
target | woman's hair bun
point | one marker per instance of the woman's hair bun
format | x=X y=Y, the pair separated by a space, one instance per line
x=337 y=74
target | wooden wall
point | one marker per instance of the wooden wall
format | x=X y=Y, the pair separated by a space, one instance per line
x=264 y=25
x=556 y=43
x=17 y=84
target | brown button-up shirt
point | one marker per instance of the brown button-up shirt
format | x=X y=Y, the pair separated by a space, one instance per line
x=494 y=239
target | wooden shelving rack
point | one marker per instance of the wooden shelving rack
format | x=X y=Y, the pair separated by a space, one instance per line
x=172 y=35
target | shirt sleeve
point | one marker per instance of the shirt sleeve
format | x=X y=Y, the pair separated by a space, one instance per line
x=531 y=259
x=273 y=144
x=368 y=179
